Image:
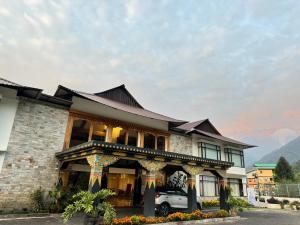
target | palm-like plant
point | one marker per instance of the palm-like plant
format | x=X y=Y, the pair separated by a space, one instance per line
x=92 y=204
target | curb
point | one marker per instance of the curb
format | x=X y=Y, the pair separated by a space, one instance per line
x=6 y=216
x=212 y=220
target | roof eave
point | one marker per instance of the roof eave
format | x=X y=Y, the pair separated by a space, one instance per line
x=244 y=145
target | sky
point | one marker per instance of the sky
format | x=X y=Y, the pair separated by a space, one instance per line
x=234 y=62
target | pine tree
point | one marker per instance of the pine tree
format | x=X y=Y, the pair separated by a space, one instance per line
x=283 y=170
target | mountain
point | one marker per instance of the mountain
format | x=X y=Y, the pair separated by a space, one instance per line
x=291 y=151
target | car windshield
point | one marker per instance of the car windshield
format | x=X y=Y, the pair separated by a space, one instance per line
x=171 y=191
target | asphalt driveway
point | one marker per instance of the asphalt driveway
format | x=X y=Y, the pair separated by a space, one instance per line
x=253 y=217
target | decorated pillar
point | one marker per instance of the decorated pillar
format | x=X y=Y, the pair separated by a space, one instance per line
x=191 y=182
x=152 y=168
x=97 y=162
x=224 y=194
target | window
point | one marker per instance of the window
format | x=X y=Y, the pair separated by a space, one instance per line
x=149 y=141
x=209 y=186
x=209 y=151
x=80 y=132
x=99 y=132
x=235 y=156
x=236 y=186
x=118 y=135
x=161 y=143
x=132 y=137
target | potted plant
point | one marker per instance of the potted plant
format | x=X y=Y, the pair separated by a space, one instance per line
x=93 y=205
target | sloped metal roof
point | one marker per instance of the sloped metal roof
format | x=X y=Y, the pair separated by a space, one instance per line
x=222 y=138
x=119 y=105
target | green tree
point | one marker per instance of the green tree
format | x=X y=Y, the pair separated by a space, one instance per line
x=296 y=169
x=283 y=170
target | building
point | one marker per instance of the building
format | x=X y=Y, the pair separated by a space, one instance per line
x=108 y=140
x=261 y=178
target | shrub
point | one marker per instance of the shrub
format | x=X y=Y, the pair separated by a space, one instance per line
x=236 y=204
x=222 y=213
x=285 y=201
x=178 y=216
x=211 y=203
x=261 y=199
x=122 y=221
x=273 y=201
x=295 y=205
x=150 y=220
x=37 y=200
x=208 y=215
x=196 y=215
x=135 y=220
x=84 y=201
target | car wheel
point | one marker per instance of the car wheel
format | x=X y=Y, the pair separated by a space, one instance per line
x=164 y=209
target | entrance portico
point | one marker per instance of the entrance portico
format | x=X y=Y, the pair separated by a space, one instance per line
x=101 y=155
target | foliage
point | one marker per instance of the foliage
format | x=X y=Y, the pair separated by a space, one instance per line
x=261 y=199
x=196 y=215
x=237 y=203
x=295 y=205
x=211 y=203
x=138 y=220
x=92 y=204
x=38 y=200
x=178 y=181
x=177 y=216
x=60 y=197
x=296 y=169
x=285 y=201
x=283 y=170
x=222 y=213
x=122 y=221
x=273 y=201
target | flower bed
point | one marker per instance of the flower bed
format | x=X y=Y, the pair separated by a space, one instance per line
x=178 y=216
x=211 y=203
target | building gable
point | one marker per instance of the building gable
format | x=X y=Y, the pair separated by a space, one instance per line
x=207 y=126
x=120 y=94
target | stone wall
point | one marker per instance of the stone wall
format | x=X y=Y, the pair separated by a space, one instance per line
x=37 y=134
x=181 y=144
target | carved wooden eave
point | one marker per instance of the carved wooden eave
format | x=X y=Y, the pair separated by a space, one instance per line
x=136 y=153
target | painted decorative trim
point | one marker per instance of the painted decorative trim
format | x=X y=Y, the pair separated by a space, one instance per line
x=152 y=166
x=97 y=162
x=192 y=170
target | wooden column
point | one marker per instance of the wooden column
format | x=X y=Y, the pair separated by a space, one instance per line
x=91 y=130
x=97 y=162
x=64 y=176
x=68 y=132
x=108 y=137
x=224 y=194
x=149 y=194
x=152 y=168
x=192 y=193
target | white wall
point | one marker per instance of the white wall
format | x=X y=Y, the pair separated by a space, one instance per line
x=233 y=172
x=8 y=108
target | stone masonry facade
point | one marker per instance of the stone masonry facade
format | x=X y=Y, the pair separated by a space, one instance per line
x=37 y=134
x=181 y=144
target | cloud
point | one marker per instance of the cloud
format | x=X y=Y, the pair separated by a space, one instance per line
x=236 y=63
x=4 y=11
x=132 y=9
